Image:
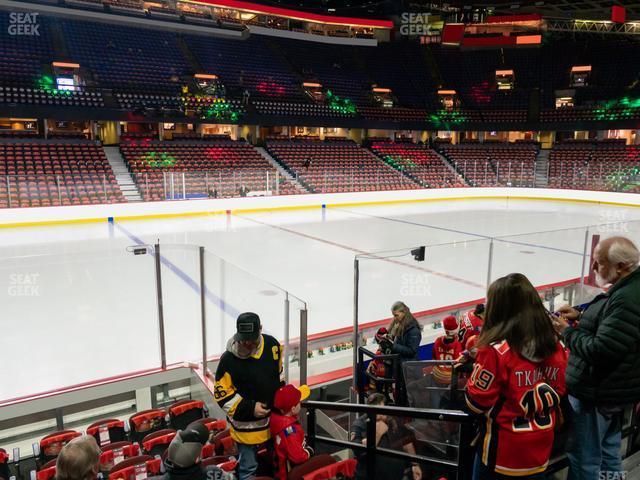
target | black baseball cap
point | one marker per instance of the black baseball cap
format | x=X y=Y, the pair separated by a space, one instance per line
x=248 y=327
x=186 y=446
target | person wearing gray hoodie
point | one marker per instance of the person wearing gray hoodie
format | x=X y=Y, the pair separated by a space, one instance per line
x=248 y=375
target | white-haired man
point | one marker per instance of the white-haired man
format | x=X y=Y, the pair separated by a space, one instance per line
x=603 y=375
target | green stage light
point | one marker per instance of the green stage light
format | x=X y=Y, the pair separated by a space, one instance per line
x=159 y=159
x=47 y=83
x=619 y=109
x=446 y=119
x=398 y=162
x=341 y=105
x=624 y=179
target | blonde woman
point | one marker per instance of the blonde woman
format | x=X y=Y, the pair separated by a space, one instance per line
x=405 y=335
x=404 y=332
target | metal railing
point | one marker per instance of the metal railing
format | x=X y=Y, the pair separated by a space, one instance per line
x=369 y=453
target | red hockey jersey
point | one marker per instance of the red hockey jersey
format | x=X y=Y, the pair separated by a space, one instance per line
x=289 y=444
x=520 y=400
x=470 y=325
x=445 y=350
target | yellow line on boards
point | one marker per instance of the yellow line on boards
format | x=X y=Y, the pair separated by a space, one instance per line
x=157 y=216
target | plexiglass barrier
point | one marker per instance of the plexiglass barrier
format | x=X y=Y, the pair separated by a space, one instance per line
x=176 y=185
x=75 y=317
x=230 y=291
x=203 y=295
x=553 y=257
x=435 y=385
x=86 y=316
x=104 y=306
x=450 y=273
x=455 y=276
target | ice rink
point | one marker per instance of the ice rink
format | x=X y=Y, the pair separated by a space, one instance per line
x=77 y=306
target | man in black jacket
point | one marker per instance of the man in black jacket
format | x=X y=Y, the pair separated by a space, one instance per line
x=603 y=375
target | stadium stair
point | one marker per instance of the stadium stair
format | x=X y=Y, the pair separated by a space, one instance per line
x=58 y=43
x=123 y=176
x=494 y=167
x=432 y=67
x=281 y=170
x=192 y=60
x=541 y=172
x=411 y=177
x=449 y=163
x=293 y=69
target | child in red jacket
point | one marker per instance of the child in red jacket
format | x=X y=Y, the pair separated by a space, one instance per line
x=287 y=433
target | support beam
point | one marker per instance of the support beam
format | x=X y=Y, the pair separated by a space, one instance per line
x=589 y=26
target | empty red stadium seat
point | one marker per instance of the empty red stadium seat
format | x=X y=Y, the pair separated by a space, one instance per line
x=146 y=422
x=136 y=468
x=107 y=431
x=184 y=412
x=114 y=453
x=156 y=443
x=51 y=445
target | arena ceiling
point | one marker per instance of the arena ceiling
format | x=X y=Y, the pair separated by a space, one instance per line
x=579 y=9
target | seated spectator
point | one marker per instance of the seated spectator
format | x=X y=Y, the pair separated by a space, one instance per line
x=389 y=434
x=79 y=459
x=446 y=347
x=183 y=457
x=287 y=433
x=517 y=382
x=380 y=368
